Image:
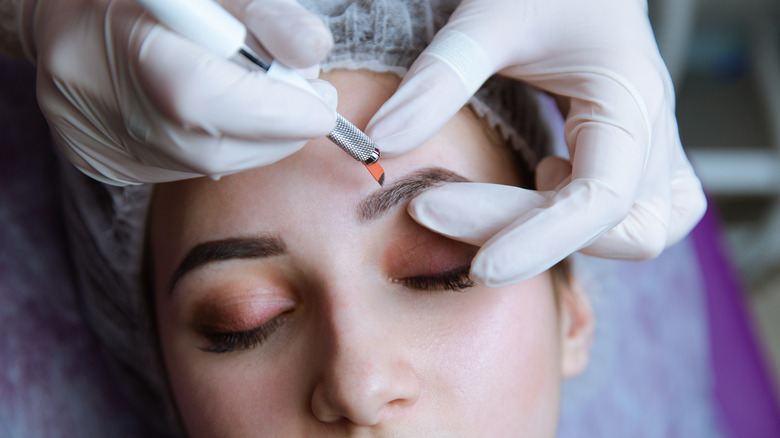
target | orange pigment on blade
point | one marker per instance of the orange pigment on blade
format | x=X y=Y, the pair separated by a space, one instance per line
x=377 y=172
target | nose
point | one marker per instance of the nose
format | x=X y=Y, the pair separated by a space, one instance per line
x=364 y=371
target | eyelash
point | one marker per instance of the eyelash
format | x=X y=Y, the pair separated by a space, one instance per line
x=236 y=341
x=456 y=280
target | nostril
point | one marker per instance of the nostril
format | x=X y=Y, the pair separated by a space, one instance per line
x=332 y=407
x=364 y=394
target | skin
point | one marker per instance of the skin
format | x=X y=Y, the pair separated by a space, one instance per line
x=360 y=349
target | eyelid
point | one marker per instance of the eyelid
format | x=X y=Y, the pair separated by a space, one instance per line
x=243 y=340
x=456 y=280
x=239 y=314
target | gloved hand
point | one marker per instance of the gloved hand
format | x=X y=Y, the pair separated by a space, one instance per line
x=128 y=101
x=630 y=190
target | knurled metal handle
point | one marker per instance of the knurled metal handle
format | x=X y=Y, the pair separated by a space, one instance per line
x=354 y=141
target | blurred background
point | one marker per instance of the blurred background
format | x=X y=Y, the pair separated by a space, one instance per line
x=724 y=57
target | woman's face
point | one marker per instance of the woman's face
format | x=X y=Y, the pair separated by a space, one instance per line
x=300 y=299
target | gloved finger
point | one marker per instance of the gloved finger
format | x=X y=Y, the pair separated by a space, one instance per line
x=660 y=217
x=291 y=34
x=641 y=235
x=139 y=163
x=688 y=200
x=310 y=73
x=196 y=89
x=211 y=156
x=473 y=212
x=654 y=223
x=665 y=208
x=101 y=164
x=437 y=85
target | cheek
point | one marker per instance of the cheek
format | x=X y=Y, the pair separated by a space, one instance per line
x=219 y=396
x=500 y=360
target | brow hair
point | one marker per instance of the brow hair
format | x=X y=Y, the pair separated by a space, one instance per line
x=250 y=247
x=384 y=199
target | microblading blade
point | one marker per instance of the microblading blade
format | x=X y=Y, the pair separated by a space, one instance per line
x=377 y=172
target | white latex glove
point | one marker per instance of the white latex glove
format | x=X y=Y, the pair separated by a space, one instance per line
x=128 y=101
x=631 y=191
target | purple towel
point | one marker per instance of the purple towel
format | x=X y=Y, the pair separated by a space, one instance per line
x=743 y=387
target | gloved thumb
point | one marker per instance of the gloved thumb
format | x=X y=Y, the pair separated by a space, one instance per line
x=438 y=84
x=449 y=209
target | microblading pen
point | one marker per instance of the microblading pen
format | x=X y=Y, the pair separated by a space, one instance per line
x=206 y=23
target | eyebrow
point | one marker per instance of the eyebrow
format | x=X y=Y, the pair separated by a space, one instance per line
x=379 y=202
x=250 y=247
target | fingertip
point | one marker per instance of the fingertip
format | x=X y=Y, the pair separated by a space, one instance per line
x=477 y=272
x=307 y=116
x=395 y=144
x=310 y=46
x=293 y=36
x=326 y=91
x=689 y=205
x=392 y=132
x=485 y=272
x=426 y=100
x=309 y=73
x=420 y=210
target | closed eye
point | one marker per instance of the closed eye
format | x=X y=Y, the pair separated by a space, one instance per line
x=246 y=340
x=456 y=280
